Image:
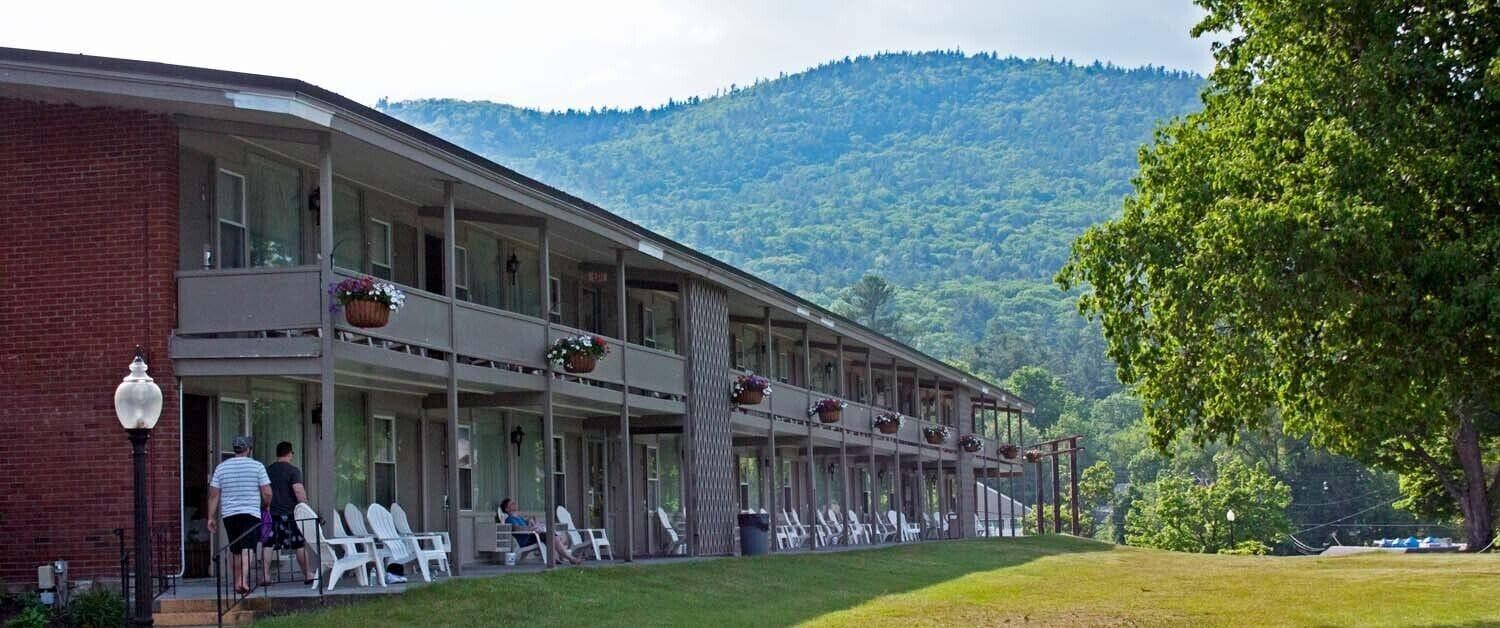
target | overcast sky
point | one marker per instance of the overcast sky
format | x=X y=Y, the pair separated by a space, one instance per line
x=619 y=53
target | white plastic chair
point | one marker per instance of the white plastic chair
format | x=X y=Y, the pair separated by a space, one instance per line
x=400 y=551
x=909 y=531
x=336 y=555
x=837 y=530
x=598 y=539
x=893 y=527
x=354 y=552
x=506 y=540
x=857 y=530
x=674 y=543
x=825 y=530
x=403 y=528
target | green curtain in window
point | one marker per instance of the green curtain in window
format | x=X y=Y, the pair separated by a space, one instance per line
x=531 y=474
x=348 y=240
x=351 y=450
x=275 y=417
x=484 y=267
x=273 y=208
x=489 y=461
x=525 y=298
x=670 y=460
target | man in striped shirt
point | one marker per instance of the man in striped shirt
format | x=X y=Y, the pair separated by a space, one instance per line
x=241 y=485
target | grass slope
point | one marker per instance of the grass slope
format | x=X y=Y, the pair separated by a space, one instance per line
x=1041 y=581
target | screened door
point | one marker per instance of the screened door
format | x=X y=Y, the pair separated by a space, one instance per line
x=596 y=495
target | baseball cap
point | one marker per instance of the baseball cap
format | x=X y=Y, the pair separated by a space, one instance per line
x=241 y=443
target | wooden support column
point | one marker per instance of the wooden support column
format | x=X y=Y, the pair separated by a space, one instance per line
x=1041 y=512
x=845 y=507
x=1056 y=493
x=550 y=498
x=1073 y=481
x=896 y=496
x=942 y=492
x=893 y=399
x=841 y=389
x=450 y=290
x=920 y=495
x=625 y=444
x=812 y=465
x=326 y=471
x=774 y=483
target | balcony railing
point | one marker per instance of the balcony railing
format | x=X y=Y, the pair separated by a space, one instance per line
x=272 y=301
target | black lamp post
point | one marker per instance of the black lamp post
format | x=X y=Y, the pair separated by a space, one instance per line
x=138 y=406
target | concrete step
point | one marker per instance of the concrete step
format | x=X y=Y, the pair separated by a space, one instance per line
x=205 y=618
x=209 y=604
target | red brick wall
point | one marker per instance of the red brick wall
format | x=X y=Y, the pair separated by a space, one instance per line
x=88 y=246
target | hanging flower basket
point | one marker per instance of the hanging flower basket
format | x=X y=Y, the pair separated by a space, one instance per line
x=367 y=303
x=887 y=422
x=828 y=410
x=578 y=354
x=935 y=434
x=1033 y=455
x=367 y=314
x=1009 y=450
x=970 y=443
x=749 y=390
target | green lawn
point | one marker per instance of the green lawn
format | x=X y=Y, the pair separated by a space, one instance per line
x=1042 y=581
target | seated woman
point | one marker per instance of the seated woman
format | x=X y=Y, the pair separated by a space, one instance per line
x=524 y=530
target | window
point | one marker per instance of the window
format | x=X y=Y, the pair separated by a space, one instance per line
x=230 y=209
x=348 y=241
x=559 y=473
x=465 y=467
x=491 y=445
x=381 y=264
x=351 y=450
x=384 y=458
x=531 y=468
x=273 y=216
x=556 y=292
x=461 y=272
x=234 y=420
x=275 y=416
x=648 y=326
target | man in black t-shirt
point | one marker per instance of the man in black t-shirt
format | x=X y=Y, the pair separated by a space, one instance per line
x=286 y=492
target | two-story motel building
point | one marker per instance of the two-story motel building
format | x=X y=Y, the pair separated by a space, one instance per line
x=185 y=209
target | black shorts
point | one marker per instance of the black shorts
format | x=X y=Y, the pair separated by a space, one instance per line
x=285 y=535
x=243 y=532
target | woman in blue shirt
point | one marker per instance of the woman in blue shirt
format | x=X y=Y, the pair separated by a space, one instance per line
x=524 y=531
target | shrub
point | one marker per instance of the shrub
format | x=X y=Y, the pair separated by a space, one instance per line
x=98 y=608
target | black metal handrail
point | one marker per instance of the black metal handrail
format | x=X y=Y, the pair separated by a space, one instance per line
x=227 y=600
x=163 y=575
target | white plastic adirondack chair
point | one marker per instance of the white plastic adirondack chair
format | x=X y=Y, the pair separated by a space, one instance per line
x=803 y=535
x=827 y=535
x=879 y=532
x=857 y=530
x=893 y=527
x=341 y=531
x=507 y=538
x=337 y=555
x=400 y=550
x=674 y=543
x=836 y=526
x=819 y=529
x=597 y=539
x=441 y=539
x=909 y=531
x=787 y=534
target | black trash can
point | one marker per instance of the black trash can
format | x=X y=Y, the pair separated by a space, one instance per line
x=755 y=533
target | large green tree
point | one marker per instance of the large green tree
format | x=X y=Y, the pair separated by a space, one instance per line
x=871 y=302
x=1181 y=513
x=1323 y=240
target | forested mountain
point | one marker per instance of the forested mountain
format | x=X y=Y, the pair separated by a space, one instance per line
x=961 y=179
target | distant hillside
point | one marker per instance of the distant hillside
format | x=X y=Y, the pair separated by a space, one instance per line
x=961 y=179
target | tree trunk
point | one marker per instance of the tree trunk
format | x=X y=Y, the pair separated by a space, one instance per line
x=1474 y=496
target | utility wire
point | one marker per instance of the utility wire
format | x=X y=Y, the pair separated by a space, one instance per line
x=1345 y=517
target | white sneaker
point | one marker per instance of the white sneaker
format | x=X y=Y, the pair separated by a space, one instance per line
x=391 y=578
